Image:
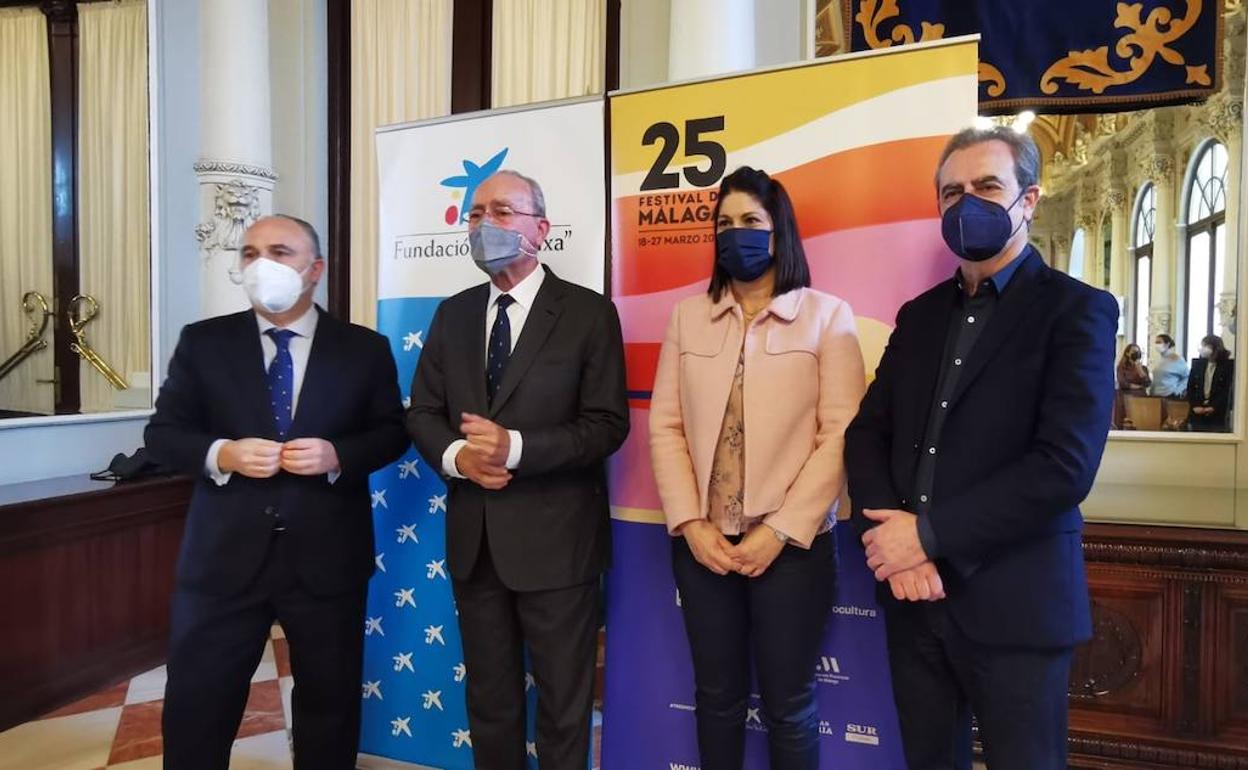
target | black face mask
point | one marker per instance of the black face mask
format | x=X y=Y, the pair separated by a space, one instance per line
x=744 y=253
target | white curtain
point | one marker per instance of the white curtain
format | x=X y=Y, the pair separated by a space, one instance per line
x=113 y=233
x=547 y=49
x=400 y=71
x=25 y=201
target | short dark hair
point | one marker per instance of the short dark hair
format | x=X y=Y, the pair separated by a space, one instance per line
x=1026 y=155
x=307 y=228
x=792 y=270
x=1220 y=353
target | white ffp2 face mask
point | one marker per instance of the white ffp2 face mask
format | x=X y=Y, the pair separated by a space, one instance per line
x=272 y=285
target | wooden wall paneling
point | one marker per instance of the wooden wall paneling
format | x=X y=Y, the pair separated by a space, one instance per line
x=85 y=587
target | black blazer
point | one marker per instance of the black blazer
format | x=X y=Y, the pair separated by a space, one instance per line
x=564 y=391
x=1219 y=394
x=216 y=389
x=1020 y=448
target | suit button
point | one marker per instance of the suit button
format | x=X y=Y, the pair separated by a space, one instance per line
x=270 y=510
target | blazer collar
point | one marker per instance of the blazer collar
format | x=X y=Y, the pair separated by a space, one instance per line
x=785 y=307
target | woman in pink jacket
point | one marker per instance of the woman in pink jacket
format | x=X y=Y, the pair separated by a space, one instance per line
x=756 y=382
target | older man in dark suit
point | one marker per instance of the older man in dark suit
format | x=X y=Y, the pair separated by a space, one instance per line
x=281 y=413
x=519 y=397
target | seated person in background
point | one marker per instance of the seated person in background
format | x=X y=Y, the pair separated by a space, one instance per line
x=1209 y=387
x=1170 y=373
x=1132 y=373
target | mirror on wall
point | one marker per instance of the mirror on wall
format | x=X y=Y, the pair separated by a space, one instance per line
x=1147 y=206
x=75 y=247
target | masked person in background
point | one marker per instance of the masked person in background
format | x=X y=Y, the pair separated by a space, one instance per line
x=757 y=380
x=1171 y=372
x=968 y=459
x=280 y=412
x=1131 y=373
x=519 y=398
x=1209 y=386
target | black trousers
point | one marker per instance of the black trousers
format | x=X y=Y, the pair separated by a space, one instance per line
x=216 y=643
x=560 y=628
x=780 y=618
x=940 y=677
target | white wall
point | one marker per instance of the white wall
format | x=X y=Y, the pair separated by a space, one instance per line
x=643 y=42
x=300 y=98
x=778 y=39
x=778 y=31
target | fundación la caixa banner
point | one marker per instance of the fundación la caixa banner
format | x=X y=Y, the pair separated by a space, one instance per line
x=856 y=141
x=414 y=675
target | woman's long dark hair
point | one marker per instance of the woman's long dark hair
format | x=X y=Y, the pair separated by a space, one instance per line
x=792 y=271
x=1220 y=353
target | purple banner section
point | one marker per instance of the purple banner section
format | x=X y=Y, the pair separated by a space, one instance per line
x=649 y=716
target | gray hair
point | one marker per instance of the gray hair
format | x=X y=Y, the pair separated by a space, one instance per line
x=305 y=226
x=1026 y=155
x=535 y=191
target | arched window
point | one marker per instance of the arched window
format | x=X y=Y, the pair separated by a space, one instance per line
x=1143 y=227
x=1078 y=245
x=1107 y=252
x=1206 y=243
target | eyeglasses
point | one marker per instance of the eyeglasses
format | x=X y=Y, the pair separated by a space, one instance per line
x=497 y=213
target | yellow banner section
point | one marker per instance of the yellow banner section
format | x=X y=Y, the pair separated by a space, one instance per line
x=765 y=104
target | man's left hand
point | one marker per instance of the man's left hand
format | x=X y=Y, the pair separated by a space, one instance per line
x=487 y=438
x=894 y=545
x=309 y=457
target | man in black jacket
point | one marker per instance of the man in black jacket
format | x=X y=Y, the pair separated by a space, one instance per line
x=281 y=413
x=519 y=397
x=971 y=452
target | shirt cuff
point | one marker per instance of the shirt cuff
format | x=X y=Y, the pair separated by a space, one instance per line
x=927 y=538
x=333 y=476
x=448 y=459
x=210 y=463
x=513 y=453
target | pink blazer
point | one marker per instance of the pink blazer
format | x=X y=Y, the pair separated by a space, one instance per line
x=804 y=377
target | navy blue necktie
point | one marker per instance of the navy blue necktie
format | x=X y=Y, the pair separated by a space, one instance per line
x=281 y=378
x=499 y=347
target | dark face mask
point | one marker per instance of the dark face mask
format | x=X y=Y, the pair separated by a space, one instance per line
x=743 y=252
x=977 y=229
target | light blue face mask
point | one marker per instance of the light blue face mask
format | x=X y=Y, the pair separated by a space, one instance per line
x=494 y=248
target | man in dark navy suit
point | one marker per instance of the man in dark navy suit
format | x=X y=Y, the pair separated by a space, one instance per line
x=281 y=413
x=971 y=452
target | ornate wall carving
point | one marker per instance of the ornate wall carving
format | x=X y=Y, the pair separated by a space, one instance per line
x=236 y=206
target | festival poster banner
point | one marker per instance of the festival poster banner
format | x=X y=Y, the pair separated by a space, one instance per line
x=856 y=141
x=414 y=676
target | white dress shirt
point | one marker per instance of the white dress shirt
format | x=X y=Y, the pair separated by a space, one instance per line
x=300 y=348
x=524 y=294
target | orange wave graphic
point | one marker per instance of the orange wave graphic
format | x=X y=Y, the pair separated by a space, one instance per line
x=874 y=192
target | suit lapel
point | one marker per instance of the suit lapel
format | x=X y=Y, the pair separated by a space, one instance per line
x=247 y=362
x=474 y=346
x=315 y=388
x=547 y=307
x=930 y=347
x=1020 y=295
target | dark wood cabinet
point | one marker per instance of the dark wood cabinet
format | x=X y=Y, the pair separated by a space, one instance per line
x=86 y=577
x=1164 y=682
